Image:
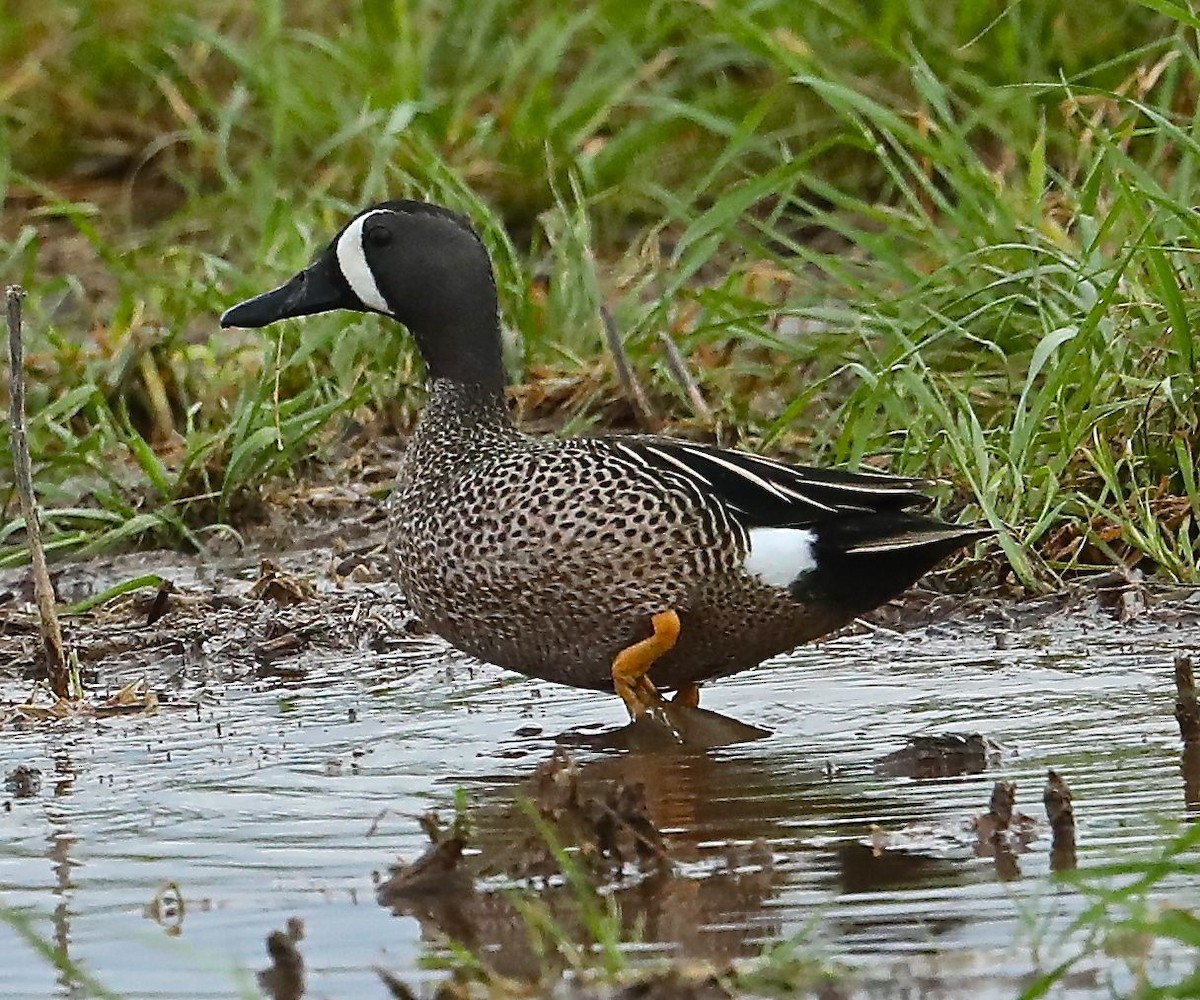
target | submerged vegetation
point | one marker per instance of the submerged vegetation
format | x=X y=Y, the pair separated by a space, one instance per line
x=950 y=245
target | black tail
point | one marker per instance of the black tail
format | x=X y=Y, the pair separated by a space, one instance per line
x=864 y=561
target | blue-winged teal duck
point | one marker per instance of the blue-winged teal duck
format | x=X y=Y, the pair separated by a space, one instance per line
x=635 y=564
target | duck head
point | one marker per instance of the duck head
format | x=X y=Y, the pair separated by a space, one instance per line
x=420 y=264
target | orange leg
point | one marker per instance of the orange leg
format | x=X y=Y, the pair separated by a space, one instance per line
x=633 y=663
x=688 y=696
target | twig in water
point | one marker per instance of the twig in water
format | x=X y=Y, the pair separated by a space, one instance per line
x=285 y=979
x=1000 y=808
x=43 y=589
x=1187 y=714
x=629 y=383
x=679 y=370
x=1061 y=813
x=1187 y=706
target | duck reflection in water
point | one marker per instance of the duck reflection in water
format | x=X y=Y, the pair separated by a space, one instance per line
x=677 y=837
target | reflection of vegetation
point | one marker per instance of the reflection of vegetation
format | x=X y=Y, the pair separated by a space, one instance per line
x=958 y=242
x=1125 y=921
x=1128 y=921
x=53 y=955
x=599 y=952
x=582 y=934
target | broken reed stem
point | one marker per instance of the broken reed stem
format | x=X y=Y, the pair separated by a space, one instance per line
x=286 y=978
x=43 y=590
x=629 y=383
x=1060 y=811
x=677 y=365
x=1187 y=714
x=1187 y=706
x=1000 y=808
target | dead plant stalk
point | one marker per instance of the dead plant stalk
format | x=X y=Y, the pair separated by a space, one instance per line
x=625 y=375
x=43 y=590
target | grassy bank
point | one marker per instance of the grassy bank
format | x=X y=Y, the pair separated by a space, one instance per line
x=957 y=246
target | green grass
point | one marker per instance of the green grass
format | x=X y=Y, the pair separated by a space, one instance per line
x=54 y=955
x=1126 y=921
x=954 y=245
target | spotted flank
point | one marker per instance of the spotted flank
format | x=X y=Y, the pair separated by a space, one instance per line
x=634 y=563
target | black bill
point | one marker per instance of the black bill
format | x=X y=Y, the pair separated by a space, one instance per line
x=313 y=290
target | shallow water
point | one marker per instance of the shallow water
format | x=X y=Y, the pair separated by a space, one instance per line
x=289 y=797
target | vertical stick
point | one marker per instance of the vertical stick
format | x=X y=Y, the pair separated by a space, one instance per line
x=1187 y=706
x=678 y=367
x=43 y=590
x=1061 y=813
x=1187 y=714
x=632 y=388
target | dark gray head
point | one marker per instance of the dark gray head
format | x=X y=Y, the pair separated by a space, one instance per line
x=420 y=264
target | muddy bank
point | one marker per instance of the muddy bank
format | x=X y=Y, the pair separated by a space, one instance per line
x=265 y=609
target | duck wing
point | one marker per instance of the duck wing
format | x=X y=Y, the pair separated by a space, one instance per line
x=761 y=492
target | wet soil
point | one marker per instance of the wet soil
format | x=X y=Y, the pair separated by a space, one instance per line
x=840 y=793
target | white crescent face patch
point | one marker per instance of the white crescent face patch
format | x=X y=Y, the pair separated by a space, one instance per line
x=352 y=260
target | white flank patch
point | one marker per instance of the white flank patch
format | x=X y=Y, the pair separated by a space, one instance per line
x=352 y=259
x=779 y=555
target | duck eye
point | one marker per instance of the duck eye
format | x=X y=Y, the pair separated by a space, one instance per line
x=379 y=236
